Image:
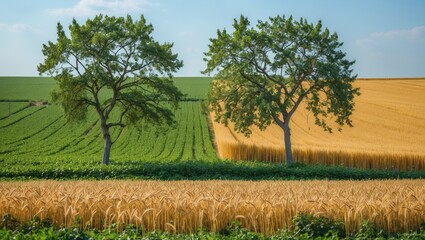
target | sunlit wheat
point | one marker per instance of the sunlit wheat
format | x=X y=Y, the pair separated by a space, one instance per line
x=185 y=206
x=388 y=132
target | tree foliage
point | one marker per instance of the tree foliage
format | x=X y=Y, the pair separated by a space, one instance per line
x=266 y=72
x=113 y=63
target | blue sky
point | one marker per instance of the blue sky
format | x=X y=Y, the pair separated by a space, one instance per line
x=385 y=37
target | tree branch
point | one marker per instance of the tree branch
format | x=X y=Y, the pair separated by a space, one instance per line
x=119 y=123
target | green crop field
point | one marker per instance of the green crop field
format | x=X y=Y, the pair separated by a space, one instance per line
x=9 y=108
x=25 y=88
x=40 y=136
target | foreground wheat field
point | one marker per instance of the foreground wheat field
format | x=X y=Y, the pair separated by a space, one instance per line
x=388 y=132
x=184 y=206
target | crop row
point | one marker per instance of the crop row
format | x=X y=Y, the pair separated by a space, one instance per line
x=9 y=108
x=42 y=135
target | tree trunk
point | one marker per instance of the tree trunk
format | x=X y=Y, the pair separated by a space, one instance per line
x=107 y=150
x=288 y=146
x=108 y=144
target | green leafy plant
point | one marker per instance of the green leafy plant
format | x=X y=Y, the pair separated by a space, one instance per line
x=308 y=227
x=369 y=230
x=9 y=222
x=317 y=226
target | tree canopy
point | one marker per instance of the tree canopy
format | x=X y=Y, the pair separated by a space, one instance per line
x=112 y=64
x=265 y=72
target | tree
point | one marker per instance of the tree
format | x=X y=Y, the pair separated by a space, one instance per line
x=112 y=64
x=266 y=73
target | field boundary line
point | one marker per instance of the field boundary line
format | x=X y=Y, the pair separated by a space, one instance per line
x=22 y=118
x=17 y=111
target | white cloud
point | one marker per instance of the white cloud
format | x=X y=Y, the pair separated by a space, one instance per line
x=412 y=35
x=190 y=51
x=185 y=34
x=16 y=28
x=397 y=53
x=93 y=7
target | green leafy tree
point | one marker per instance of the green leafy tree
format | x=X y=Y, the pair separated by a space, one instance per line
x=112 y=63
x=266 y=72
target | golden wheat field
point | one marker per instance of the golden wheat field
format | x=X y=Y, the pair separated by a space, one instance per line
x=388 y=132
x=185 y=206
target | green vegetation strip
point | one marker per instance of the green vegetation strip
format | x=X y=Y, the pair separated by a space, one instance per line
x=305 y=227
x=193 y=170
